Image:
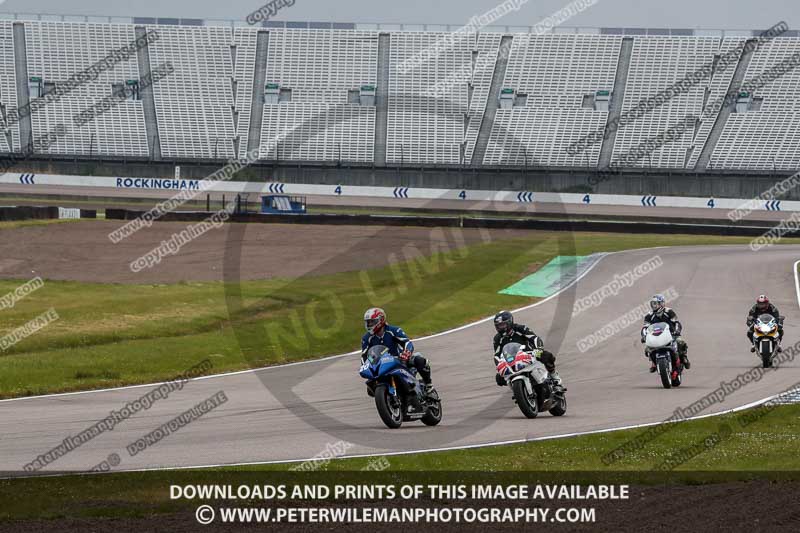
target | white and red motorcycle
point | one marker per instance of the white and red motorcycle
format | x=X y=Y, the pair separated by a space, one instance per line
x=662 y=349
x=533 y=388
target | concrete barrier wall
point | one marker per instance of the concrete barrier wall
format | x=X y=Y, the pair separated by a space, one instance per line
x=26 y=212
x=467 y=222
x=425 y=193
x=719 y=184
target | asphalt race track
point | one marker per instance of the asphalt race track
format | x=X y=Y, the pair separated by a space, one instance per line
x=296 y=411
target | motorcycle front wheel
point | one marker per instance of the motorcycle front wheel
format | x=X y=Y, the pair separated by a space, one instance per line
x=389 y=407
x=664 y=372
x=766 y=354
x=527 y=402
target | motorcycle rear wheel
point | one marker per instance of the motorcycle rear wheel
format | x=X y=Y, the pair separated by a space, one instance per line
x=527 y=402
x=391 y=414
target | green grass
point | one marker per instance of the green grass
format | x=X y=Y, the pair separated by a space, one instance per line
x=113 y=334
x=767 y=448
x=14 y=224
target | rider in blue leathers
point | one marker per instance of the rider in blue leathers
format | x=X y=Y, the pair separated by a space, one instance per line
x=396 y=340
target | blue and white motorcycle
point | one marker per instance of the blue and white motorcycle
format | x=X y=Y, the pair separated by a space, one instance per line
x=399 y=395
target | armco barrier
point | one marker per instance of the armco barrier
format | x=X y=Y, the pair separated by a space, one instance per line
x=321 y=219
x=33 y=212
x=469 y=222
x=617 y=227
x=27 y=212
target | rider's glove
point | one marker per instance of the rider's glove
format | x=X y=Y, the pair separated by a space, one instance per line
x=501 y=381
x=405 y=356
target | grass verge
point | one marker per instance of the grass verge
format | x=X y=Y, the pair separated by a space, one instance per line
x=111 y=335
x=766 y=448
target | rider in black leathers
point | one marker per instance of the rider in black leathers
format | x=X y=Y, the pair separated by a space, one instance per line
x=763 y=307
x=508 y=332
x=661 y=313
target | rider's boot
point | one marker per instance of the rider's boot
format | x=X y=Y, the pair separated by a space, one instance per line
x=652 y=366
x=555 y=377
x=686 y=363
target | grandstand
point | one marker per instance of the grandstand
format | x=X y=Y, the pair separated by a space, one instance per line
x=338 y=95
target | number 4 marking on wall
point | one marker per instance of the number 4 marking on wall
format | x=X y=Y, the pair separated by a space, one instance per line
x=463 y=195
x=710 y=203
x=587 y=199
x=338 y=190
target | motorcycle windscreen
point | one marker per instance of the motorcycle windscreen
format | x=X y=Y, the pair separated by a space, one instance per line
x=376 y=352
x=765 y=323
x=510 y=351
x=657 y=329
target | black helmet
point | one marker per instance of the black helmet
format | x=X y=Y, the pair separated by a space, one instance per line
x=503 y=322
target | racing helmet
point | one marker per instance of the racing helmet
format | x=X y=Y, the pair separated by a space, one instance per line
x=658 y=303
x=374 y=320
x=504 y=322
x=762 y=303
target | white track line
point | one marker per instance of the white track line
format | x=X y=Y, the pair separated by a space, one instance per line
x=426 y=450
x=502 y=443
x=600 y=257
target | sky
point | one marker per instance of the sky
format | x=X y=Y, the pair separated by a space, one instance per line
x=714 y=14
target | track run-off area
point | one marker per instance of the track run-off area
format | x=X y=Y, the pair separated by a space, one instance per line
x=296 y=411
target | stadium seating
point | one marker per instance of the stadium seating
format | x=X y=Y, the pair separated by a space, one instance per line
x=657 y=63
x=423 y=128
x=318 y=122
x=57 y=50
x=194 y=103
x=435 y=111
x=556 y=72
x=243 y=73
x=8 y=89
x=768 y=138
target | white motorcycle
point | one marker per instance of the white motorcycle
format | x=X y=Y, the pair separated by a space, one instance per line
x=534 y=390
x=765 y=338
x=662 y=349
